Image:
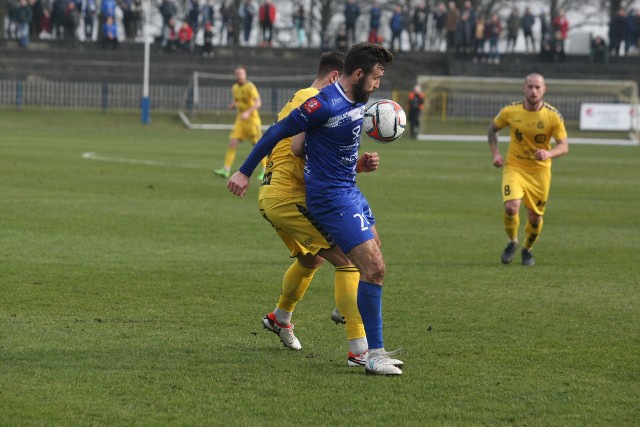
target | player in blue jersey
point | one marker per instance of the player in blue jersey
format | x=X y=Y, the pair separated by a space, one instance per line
x=332 y=122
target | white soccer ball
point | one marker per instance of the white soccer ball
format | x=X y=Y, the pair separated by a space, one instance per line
x=384 y=121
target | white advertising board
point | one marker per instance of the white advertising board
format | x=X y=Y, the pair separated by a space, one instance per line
x=605 y=116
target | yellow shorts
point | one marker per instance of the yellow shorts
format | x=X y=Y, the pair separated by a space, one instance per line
x=296 y=231
x=532 y=187
x=249 y=130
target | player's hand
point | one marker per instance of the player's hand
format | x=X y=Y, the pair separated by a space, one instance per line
x=238 y=184
x=542 y=155
x=244 y=115
x=368 y=162
x=498 y=161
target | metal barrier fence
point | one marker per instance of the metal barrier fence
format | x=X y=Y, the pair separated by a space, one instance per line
x=105 y=95
x=86 y=95
x=483 y=107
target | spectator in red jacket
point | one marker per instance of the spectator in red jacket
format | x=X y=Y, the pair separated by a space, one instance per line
x=560 y=23
x=185 y=35
x=267 y=16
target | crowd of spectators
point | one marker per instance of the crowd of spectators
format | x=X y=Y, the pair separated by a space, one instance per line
x=417 y=25
x=73 y=20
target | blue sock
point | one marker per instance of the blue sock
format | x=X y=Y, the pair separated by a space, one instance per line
x=370 y=307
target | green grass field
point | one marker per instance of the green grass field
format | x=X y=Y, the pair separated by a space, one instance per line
x=132 y=285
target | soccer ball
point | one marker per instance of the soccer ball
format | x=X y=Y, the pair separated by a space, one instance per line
x=384 y=121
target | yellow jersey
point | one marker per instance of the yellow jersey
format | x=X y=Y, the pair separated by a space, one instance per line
x=530 y=131
x=244 y=96
x=284 y=176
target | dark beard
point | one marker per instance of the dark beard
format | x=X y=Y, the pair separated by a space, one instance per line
x=359 y=93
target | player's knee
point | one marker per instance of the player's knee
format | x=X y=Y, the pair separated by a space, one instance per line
x=310 y=261
x=534 y=219
x=374 y=272
x=511 y=209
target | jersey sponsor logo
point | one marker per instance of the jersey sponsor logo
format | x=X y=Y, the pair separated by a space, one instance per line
x=540 y=138
x=518 y=135
x=348 y=117
x=351 y=147
x=266 y=180
x=349 y=160
x=311 y=105
x=540 y=124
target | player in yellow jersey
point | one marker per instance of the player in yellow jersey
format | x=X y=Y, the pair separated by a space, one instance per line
x=247 y=102
x=527 y=168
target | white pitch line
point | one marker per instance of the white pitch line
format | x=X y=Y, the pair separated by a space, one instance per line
x=92 y=155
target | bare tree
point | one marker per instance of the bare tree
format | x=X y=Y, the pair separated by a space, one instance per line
x=235 y=15
x=615 y=5
x=3 y=10
x=592 y=10
x=320 y=14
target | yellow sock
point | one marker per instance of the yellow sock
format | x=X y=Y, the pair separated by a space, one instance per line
x=229 y=158
x=294 y=284
x=531 y=234
x=511 y=225
x=346 y=290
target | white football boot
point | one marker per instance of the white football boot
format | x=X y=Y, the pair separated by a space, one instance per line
x=337 y=317
x=379 y=363
x=284 y=332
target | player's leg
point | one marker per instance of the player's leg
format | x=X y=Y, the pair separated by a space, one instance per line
x=368 y=258
x=230 y=155
x=242 y=130
x=295 y=282
x=532 y=232
x=256 y=133
x=535 y=199
x=512 y=192
x=284 y=217
x=349 y=220
x=346 y=281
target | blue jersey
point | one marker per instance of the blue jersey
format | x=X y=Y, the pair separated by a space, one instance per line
x=332 y=125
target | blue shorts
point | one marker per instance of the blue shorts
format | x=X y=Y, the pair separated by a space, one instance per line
x=344 y=214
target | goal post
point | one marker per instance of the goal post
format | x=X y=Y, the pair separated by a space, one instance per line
x=480 y=98
x=207 y=97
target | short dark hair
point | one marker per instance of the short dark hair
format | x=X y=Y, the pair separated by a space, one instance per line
x=366 y=56
x=331 y=61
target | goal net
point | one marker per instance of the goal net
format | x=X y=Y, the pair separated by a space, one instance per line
x=207 y=98
x=479 y=98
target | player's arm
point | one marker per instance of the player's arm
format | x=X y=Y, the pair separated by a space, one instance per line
x=492 y=137
x=297 y=145
x=257 y=104
x=238 y=184
x=561 y=148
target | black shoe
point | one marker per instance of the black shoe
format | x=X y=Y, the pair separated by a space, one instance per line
x=527 y=257
x=509 y=252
